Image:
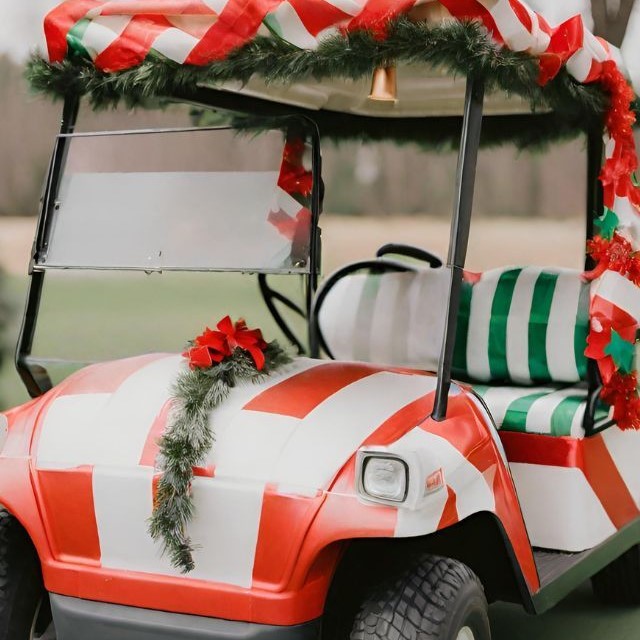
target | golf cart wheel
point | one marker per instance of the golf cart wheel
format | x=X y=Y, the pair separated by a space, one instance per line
x=439 y=599
x=619 y=582
x=24 y=603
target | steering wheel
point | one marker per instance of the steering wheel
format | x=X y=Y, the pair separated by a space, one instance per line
x=410 y=252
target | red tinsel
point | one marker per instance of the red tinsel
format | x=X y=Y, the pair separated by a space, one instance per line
x=622 y=394
x=212 y=347
x=616 y=254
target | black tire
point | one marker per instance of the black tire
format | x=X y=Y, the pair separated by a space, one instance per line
x=23 y=598
x=619 y=582
x=434 y=600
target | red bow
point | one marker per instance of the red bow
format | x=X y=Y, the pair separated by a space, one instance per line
x=212 y=347
x=294 y=178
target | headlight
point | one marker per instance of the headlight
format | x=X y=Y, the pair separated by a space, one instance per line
x=384 y=478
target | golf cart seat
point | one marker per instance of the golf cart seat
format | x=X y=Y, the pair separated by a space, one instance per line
x=520 y=341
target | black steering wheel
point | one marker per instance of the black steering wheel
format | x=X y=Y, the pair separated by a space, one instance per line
x=410 y=252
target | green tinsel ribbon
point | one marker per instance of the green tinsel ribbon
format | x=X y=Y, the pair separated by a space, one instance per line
x=188 y=440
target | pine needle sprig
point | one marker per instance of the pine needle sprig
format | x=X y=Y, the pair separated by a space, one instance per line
x=188 y=440
x=461 y=48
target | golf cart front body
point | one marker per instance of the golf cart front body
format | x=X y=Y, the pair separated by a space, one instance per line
x=330 y=476
x=275 y=503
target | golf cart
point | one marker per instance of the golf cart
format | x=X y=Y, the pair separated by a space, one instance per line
x=442 y=439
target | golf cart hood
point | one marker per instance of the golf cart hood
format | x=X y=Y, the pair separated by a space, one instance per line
x=296 y=428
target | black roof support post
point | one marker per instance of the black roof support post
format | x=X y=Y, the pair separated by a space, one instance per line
x=460 y=225
x=35 y=377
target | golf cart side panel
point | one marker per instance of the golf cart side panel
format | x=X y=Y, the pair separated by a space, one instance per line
x=476 y=481
x=16 y=489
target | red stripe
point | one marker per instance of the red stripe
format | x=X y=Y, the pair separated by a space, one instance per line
x=300 y=394
x=607 y=483
x=590 y=455
x=58 y=23
x=377 y=13
x=238 y=23
x=157 y=7
x=522 y=14
x=67 y=497
x=133 y=44
x=473 y=10
x=319 y=15
x=284 y=522
x=450 y=512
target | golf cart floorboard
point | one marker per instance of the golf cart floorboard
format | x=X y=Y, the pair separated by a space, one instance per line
x=552 y=564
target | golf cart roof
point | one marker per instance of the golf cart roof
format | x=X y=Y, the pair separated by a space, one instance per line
x=319 y=56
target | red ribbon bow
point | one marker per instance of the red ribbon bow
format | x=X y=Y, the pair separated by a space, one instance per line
x=212 y=347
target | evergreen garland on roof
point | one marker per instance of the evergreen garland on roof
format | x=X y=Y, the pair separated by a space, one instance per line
x=461 y=48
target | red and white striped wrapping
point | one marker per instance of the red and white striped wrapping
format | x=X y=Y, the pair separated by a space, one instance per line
x=118 y=34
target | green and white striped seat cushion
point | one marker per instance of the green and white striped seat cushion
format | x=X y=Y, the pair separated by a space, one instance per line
x=555 y=411
x=520 y=325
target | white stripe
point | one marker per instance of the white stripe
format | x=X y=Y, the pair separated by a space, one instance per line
x=630 y=48
x=629 y=220
x=618 y=290
x=499 y=399
x=624 y=447
x=102 y=31
x=380 y=336
x=518 y=326
x=473 y=494
x=292 y=27
x=224 y=529
x=479 y=325
x=216 y=5
x=577 y=430
x=338 y=316
x=561 y=357
x=513 y=32
x=175 y=44
x=429 y=296
x=352 y=7
x=66 y=432
x=560 y=509
x=539 y=416
x=329 y=435
x=109 y=429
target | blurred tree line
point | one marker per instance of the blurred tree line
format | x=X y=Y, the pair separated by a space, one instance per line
x=383 y=179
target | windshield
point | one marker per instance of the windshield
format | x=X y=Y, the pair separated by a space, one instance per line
x=205 y=199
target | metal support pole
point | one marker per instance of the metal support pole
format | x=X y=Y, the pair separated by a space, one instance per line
x=460 y=225
x=36 y=378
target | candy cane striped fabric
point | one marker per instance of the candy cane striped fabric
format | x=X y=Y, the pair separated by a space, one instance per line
x=521 y=325
x=119 y=35
x=554 y=411
x=288 y=436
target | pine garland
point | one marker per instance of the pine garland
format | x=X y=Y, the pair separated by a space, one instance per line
x=461 y=48
x=189 y=438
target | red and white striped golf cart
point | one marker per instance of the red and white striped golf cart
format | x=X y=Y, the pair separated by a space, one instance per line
x=450 y=438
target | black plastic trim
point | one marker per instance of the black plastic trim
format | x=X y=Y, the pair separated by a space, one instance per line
x=78 y=619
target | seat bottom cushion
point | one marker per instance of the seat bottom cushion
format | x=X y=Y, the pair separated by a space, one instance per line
x=553 y=411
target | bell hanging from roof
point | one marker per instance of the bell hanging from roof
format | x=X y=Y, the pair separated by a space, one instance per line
x=384 y=85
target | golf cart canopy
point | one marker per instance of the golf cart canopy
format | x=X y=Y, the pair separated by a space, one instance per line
x=318 y=57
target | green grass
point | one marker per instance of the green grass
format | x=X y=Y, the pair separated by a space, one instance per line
x=104 y=316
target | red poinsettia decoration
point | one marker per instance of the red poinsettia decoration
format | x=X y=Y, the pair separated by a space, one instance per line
x=213 y=346
x=622 y=394
x=611 y=342
x=614 y=254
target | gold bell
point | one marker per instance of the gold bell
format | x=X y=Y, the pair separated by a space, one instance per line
x=384 y=85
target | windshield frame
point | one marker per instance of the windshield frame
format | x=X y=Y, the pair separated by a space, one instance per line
x=31 y=369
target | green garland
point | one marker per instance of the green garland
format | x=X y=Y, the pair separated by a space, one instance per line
x=189 y=438
x=459 y=47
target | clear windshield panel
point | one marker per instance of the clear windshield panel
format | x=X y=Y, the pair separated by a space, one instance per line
x=208 y=200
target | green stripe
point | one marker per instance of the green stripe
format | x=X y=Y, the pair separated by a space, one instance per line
x=563 y=415
x=481 y=389
x=364 y=316
x=581 y=332
x=498 y=324
x=75 y=36
x=462 y=332
x=538 y=323
x=515 y=419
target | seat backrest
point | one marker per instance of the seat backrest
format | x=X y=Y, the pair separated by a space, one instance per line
x=516 y=325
